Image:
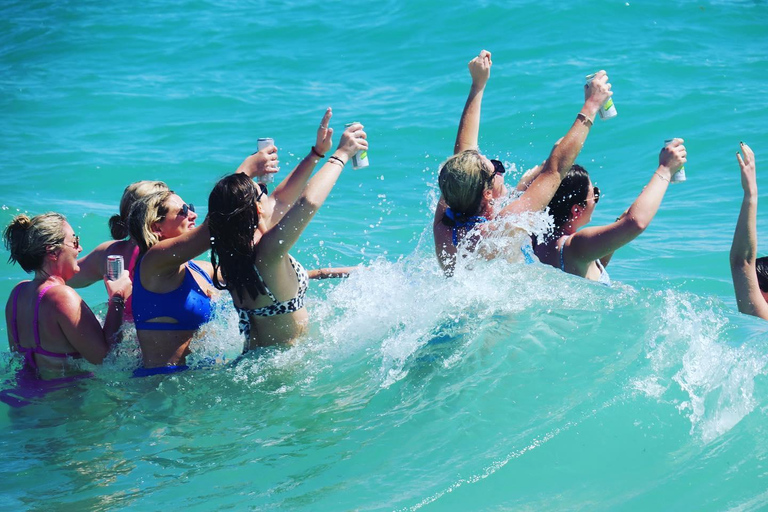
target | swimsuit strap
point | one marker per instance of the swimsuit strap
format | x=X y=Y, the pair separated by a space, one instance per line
x=36 y=321
x=132 y=261
x=194 y=266
x=269 y=293
x=468 y=224
x=562 y=249
x=15 y=322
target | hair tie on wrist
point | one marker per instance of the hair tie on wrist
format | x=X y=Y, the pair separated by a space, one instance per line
x=584 y=119
x=337 y=160
x=317 y=153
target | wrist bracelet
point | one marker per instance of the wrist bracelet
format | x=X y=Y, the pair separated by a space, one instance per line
x=336 y=160
x=317 y=153
x=662 y=177
x=584 y=119
x=116 y=299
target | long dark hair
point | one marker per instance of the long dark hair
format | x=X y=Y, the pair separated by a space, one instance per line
x=233 y=217
x=574 y=189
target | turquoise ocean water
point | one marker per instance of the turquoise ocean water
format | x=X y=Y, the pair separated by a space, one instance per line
x=507 y=388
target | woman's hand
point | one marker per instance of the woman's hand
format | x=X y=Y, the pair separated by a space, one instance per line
x=748 y=169
x=673 y=156
x=260 y=163
x=120 y=287
x=353 y=140
x=597 y=92
x=480 y=69
x=323 y=143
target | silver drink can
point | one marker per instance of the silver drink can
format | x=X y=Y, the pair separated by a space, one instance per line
x=679 y=176
x=359 y=159
x=114 y=266
x=262 y=143
x=608 y=110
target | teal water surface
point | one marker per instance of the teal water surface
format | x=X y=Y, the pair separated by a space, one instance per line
x=508 y=387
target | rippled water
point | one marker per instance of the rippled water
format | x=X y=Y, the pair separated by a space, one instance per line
x=509 y=387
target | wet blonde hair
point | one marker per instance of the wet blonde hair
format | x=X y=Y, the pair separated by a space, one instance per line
x=29 y=240
x=463 y=179
x=118 y=224
x=145 y=212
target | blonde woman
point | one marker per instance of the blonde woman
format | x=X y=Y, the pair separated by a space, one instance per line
x=92 y=266
x=47 y=321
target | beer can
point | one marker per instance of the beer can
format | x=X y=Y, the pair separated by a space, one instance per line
x=359 y=159
x=608 y=109
x=262 y=143
x=114 y=266
x=679 y=176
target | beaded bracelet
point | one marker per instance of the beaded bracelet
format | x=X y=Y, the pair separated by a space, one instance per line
x=117 y=299
x=317 y=153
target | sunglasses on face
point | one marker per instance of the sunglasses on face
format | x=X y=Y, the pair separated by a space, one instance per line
x=597 y=194
x=75 y=242
x=185 y=209
x=498 y=167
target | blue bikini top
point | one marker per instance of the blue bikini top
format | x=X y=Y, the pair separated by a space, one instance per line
x=188 y=304
x=468 y=223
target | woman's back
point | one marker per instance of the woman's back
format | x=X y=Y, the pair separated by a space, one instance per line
x=279 y=314
x=32 y=316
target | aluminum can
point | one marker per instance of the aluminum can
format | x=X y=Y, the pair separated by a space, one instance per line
x=679 y=176
x=115 y=266
x=608 y=110
x=359 y=159
x=262 y=143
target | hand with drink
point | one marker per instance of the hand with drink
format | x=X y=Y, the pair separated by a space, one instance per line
x=353 y=140
x=672 y=158
x=597 y=91
x=263 y=162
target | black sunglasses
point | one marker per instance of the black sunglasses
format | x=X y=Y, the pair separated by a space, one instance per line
x=498 y=167
x=597 y=194
x=185 y=209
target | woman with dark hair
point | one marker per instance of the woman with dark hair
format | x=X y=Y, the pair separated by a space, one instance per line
x=750 y=274
x=586 y=252
x=46 y=319
x=93 y=266
x=250 y=252
x=470 y=182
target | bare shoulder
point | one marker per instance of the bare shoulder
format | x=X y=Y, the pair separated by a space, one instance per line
x=64 y=298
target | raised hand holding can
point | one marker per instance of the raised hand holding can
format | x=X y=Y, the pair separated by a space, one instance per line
x=359 y=159
x=262 y=143
x=608 y=109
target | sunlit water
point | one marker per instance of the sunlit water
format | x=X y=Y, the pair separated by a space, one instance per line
x=508 y=387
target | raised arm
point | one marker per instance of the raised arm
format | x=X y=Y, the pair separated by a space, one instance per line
x=92 y=266
x=540 y=192
x=168 y=255
x=276 y=242
x=289 y=190
x=749 y=299
x=590 y=244
x=469 y=124
x=81 y=327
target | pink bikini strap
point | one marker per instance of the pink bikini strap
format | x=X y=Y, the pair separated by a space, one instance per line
x=37 y=316
x=15 y=322
x=132 y=263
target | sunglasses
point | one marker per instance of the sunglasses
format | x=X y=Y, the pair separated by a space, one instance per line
x=185 y=209
x=498 y=167
x=597 y=194
x=75 y=243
